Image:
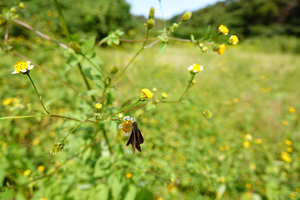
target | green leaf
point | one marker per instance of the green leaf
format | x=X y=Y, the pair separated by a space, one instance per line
x=109 y=42
x=116 y=185
x=86 y=154
x=88 y=46
x=192 y=38
x=220 y=191
x=91 y=92
x=75 y=37
x=111 y=95
x=162 y=48
x=102 y=192
x=162 y=38
x=206 y=33
x=131 y=194
x=103 y=40
x=116 y=41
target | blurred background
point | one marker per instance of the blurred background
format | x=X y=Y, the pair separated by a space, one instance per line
x=249 y=149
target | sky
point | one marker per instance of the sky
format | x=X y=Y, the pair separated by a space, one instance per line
x=170 y=7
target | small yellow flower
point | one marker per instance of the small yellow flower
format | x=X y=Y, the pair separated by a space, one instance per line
x=164 y=95
x=170 y=186
x=221 y=148
x=292 y=196
x=246 y=144
x=27 y=172
x=229 y=103
x=289 y=149
x=221 y=49
x=35 y=141
x=128 y=175
x=43 y=198
x=159 y=198
x=7 y=101
x=297 y=190
x=248 y=185
x=41 y=168
x=127 y=125
x=235 y=100
x=285 y=123
x=223 y=29
x=195 y=68
x=262 y=77
x=98 y=106
x=222 y=179
x=286 y=157
x=292 y=110
x=288 y=142
x=22 y=66
x=252 y=166
x=145 y=94
x=258 y=141
x=233 y=39
x=21 y=5
x=227 y=147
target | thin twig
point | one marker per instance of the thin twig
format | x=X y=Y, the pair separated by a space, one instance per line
x=6 y=32
x=39 y=33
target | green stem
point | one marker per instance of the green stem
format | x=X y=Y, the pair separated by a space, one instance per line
x=21 y=117
x=187 y=88
x=91 y=62
x=85 y=80
x=62 y=19
x=161 y=10
x=107 y=141
x=40 y=97
x=132 y=59
x=125 y=108
x=72 y=131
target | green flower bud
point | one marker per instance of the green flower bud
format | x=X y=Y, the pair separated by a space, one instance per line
x=150 y=23
x=194 y=82
x=114 y=70
x=75 y=46
x=154 y=90
x=120 y=116
x=12 y=9
x=21 y=5
x=186 y=16
x=207 y=113
x=175 y=25
x=151 y=13
x=98 y=106
x=57 y=147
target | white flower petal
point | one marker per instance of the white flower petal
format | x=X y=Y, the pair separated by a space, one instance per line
x=190 y=68
x=24 y=70
x=126 y=133
x=28 y=62
x=126 y=118
x=15 y=72
x=120 y=126
x=132 y=119
x=201 y=68
x=30 y=67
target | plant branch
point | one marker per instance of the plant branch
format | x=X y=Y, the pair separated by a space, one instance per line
x=6 y=32
x=39 y=33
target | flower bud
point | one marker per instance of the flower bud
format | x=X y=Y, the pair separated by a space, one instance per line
x=186 y=16
x=193 y=81
x=204 y=49
x=233 y=39
x=150 y=23
x=114 y=69
x=145 y=94
x=12 y=9
x=120 y=116
x=164 y=95
x=75 y=46
x=154 y=90
x=151 y=13
x=175 y=25
x=57 y=147
x=207 y=113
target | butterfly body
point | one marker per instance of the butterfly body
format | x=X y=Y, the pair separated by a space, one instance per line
x=135 y=138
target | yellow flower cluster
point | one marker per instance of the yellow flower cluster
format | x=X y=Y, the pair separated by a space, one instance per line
x=22 y=66
x=286 y=157
x=223 y=29
x=195 y=68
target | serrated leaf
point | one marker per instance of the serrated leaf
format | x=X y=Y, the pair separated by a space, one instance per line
x=162 y=48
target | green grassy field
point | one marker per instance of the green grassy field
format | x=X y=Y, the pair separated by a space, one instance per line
x=249 y=149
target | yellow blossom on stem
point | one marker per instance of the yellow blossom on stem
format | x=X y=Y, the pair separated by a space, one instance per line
x=145 y=94
x=292 y=110
x=22 y=66
x=223 y=29
x=41 y=168
x=288 y=142
x=246 y=144
x=128 y=175
x=221 y=49
x=27 y=172
x=7 y=101
x=164 y=95
x=285 y=123
x=127 y=125
x=98 y=106
x=195 y=68
x=170 y=186
x=286 y=157
x=233 y=39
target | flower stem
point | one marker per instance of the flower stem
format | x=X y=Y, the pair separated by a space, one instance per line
x=85 y=80
x=72 y=131
x=125 y=108
x=187 y=88
x=62 y=19
x=132 y=59
x=39 y=96
x=107 y=141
